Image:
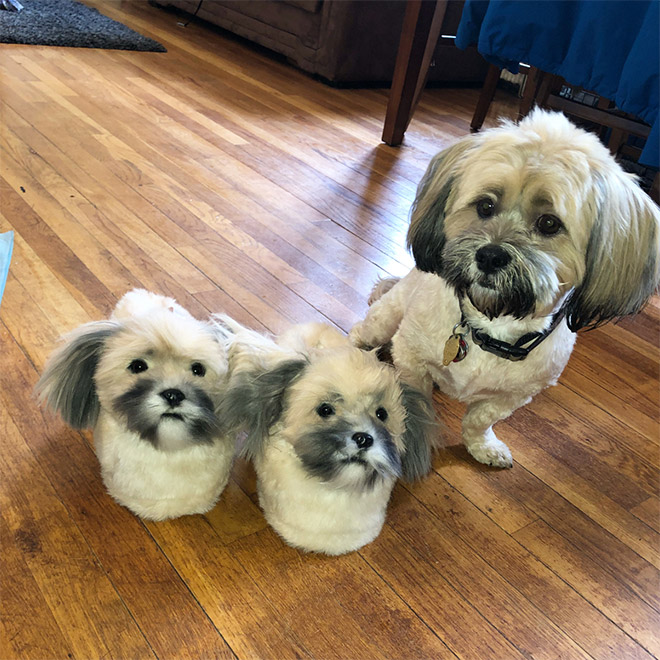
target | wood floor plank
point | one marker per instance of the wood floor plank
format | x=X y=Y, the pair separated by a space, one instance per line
x=600 y=397
x=217 y=250
x=68 y=575
x=344 y=584
x=211 y=104
x=172 y=232
x=649 y=512
x=512 y=589
x=585 y=497
x=40 y=74
x=270 y=262
x=523 y=488
x=267 y=140
x=624 y=477
x=599 y=586
x=460 y=625
x=641 y=398
x=63 y=250
x=115 y=228
x=63 y=311
x=270 y=193
x=592 y=540
x=245 y=618
x=236 y=516
x=267 y=87
x=622 y=447
x=29 y=629
x=144 y=266
x=502 y=508
x=644 y=326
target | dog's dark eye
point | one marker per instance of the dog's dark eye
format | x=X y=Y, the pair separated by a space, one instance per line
x=137 y=366
x=381 y=413
x=548 y=224
x=485 y=208
x=325 y=410
x=198 y=369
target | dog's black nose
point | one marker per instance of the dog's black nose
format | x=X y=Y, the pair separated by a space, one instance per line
x=173 y=397
x=363 y=440
x=491 y=258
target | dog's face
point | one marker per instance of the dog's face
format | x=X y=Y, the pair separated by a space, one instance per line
x=162 y=377
x=159 y=375
x=345 y=418
x=517 y=217
x=346 y=415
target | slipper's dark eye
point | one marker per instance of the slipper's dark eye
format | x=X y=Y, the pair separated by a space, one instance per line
x=198 y=369
x=325 y=410
x=381 y=413
x=548 y=225
x=485 y=208
x=137 y=366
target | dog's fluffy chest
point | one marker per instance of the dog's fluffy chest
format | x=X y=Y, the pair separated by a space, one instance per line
x=313 y=515
x=480 y=374
x=156 y=484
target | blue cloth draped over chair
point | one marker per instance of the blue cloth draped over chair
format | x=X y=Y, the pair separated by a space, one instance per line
x=609 y=47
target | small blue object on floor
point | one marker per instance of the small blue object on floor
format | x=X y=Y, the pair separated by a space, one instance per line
x=6 y=246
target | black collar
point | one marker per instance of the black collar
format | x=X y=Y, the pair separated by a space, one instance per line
x=518 y=351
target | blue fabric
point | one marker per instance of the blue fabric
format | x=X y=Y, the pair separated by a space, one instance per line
x=6 y=247
x=610 y=47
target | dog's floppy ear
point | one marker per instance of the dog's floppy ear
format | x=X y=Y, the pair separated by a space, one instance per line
x=419 y=437
x=67 y=383
x=254 y=401
x=622 y=260
x=426 y=235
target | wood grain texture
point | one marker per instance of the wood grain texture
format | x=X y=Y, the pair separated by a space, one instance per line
x=229 y=180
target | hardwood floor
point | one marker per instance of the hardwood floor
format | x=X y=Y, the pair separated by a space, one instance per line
x=235 y=183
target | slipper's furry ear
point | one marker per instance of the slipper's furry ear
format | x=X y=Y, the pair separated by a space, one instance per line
x=623 y=254
x=254 y=401
x=420 y=436
x=426 y=234
x=67 y=383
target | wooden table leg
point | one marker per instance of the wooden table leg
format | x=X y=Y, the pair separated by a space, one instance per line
x=419 y=36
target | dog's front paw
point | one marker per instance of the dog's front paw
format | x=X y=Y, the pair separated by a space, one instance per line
x=355 y=337
x=491 y=451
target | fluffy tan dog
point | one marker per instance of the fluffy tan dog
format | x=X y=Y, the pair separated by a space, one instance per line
x=330 y=428
x=148 y=382
x=522 y=235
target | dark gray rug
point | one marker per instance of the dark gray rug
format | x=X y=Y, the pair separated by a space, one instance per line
x=69 y=23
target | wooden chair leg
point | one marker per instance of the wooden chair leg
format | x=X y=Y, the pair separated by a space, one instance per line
x=485 y=97
x=550 y=84
x=419 y=36
x=540 y=85
x=527 y=100
x=616 y=140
